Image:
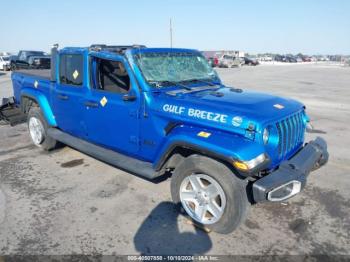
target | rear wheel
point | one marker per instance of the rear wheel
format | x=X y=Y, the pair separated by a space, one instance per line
x=210 y=194
x=38 y=126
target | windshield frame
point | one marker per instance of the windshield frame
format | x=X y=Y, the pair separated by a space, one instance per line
x=169 y=83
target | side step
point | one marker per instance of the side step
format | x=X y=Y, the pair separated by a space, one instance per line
x=10 y=113
x=129 y=164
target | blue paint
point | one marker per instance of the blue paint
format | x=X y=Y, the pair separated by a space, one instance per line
x=235 y=120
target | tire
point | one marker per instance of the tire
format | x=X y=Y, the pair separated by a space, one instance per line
x=38 y=126
x=233 y=205
x=13 y=67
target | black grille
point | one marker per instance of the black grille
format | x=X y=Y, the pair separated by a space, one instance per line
x=290 y=133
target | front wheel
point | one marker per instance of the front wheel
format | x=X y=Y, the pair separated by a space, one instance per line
x=210 y=194
x=38 y=126
x=13 y=67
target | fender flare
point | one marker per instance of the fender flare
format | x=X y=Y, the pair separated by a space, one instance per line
x=185 y=145
x=42 y=101
x=223 y=146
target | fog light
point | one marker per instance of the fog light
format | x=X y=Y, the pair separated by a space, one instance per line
x=284 y=191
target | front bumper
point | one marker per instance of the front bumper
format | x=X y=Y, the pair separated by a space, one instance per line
x=290 y=178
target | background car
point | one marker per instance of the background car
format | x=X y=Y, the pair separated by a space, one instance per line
x=291 y=59
x=250 y=61
x=299 y=59
x=280 y=58
x=306 y=59
x=4 y=63
x=213 y=61
x=266 y=58
x=30 y=60
x=228 y=61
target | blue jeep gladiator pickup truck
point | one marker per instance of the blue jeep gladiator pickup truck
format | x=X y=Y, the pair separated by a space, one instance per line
x=153 y=111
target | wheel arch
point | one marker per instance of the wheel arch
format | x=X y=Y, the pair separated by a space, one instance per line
x=31 y=98
x=224 y=147
x=179 y=151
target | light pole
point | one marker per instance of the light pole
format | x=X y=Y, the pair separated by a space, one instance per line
x=171 y=33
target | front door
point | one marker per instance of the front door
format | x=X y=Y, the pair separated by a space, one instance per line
x=112 y=106
x=68 y=97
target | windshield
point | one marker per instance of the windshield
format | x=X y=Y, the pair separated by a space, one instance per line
x=5 y=58
x=174 y=67
x=36 y=53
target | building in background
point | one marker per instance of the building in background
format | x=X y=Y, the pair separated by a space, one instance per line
x=212 y=54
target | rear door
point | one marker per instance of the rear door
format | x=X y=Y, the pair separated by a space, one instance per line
x=112 y=108
x=68 y=97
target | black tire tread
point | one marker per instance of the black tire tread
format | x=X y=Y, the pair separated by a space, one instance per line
x=235 y=190
x=48 y=143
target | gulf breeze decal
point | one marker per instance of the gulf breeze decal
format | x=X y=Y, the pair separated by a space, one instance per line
x=200 y=114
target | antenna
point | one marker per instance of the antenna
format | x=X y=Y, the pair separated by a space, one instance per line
x=171 y=33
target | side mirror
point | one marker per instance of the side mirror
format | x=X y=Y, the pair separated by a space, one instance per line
x=129 y=97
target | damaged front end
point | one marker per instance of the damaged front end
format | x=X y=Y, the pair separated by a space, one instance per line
x=290 y=178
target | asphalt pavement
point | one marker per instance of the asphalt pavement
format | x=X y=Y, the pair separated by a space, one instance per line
x=65 y=202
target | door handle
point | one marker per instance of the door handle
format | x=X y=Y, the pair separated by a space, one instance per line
x=63 y=97
x=91 y=104
x=128 y=97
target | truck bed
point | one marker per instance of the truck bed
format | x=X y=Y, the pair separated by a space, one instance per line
x=40 y=73
x=31 y=79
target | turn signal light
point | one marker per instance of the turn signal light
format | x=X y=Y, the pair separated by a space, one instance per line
x=240 y=165
x=247 y=165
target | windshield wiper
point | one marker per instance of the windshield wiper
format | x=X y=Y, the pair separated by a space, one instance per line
x=159 y=84
x=201 y=81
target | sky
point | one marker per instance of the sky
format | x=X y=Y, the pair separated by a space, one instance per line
x=254 y=26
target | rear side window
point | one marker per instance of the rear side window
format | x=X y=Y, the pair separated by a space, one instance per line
x=71 y=70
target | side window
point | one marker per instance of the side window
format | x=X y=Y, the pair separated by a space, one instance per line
x=111 y=76
x=22 y=56
x=71 y=70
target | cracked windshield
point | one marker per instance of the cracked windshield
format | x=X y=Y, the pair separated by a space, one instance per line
x=162 y=68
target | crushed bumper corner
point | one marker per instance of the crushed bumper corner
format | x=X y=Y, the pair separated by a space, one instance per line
x=290 y=178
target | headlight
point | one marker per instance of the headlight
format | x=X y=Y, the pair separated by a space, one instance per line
x=309 y=127
x=266 y=135
x=307 y=122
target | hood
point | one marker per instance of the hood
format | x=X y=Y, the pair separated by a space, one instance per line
x=258 y=106
x=228 y=107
